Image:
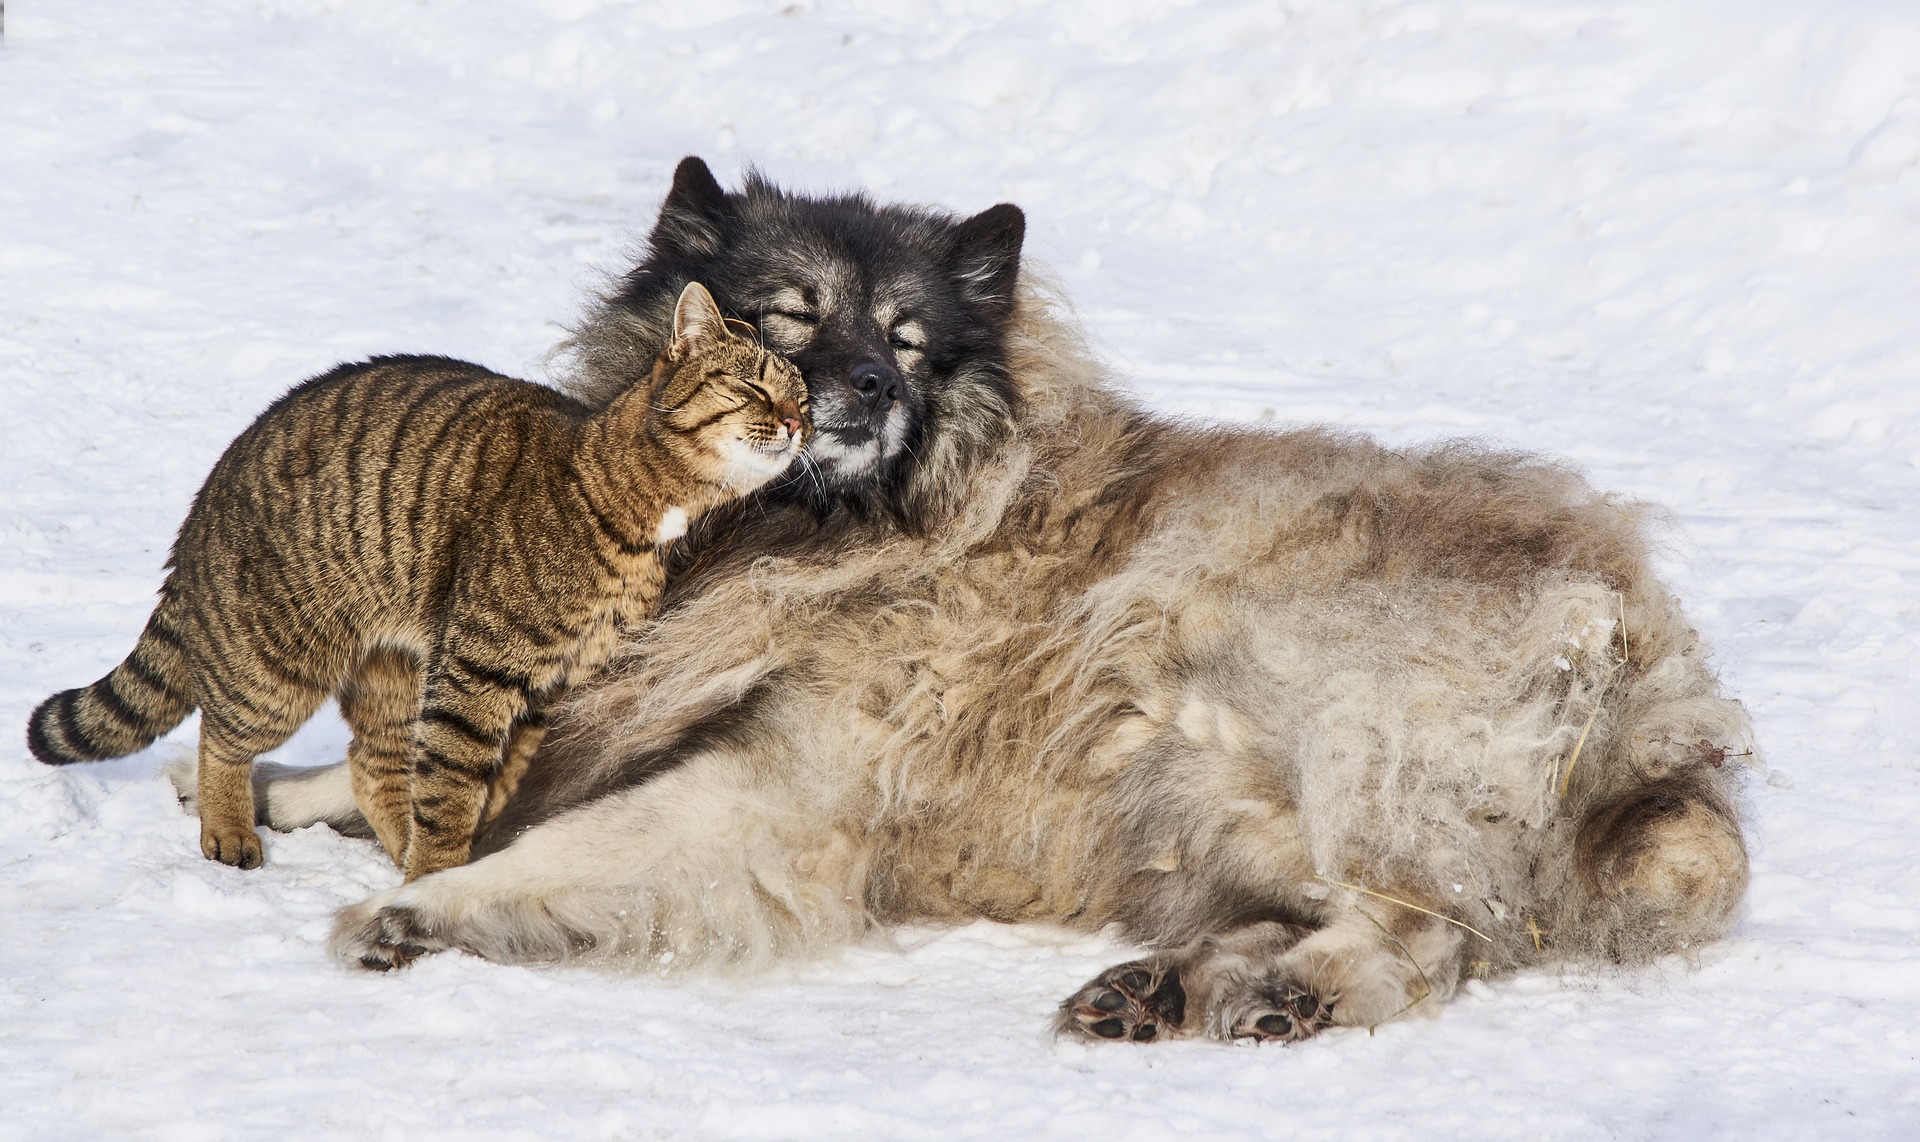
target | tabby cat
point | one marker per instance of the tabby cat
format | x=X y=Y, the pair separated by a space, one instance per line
x=444 y=549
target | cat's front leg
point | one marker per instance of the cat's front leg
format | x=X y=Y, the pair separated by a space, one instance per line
x=466 y=718
x=522 y=743
x=381 y=702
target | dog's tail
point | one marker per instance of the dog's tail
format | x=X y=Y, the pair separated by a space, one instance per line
x=138 y=700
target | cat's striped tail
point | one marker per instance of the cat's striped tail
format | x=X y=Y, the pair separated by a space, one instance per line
x=136 y=702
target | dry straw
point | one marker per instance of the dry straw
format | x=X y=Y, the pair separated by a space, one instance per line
x=1566 y=779
x=1405 y=904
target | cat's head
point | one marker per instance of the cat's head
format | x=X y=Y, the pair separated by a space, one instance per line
x=735 y=407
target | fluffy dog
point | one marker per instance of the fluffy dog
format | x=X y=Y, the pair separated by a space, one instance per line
x=1329 y=725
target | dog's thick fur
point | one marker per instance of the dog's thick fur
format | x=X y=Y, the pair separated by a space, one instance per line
x=1331 y=725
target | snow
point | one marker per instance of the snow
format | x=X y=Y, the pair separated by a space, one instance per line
x=1675 y=243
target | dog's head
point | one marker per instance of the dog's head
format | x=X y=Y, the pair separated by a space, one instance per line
x=896 y=316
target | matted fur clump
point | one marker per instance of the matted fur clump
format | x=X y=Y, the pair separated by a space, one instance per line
x=1331 y=726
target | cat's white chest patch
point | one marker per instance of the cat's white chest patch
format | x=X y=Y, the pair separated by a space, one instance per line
x=673 y=525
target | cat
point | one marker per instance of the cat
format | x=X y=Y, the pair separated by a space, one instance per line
x=442 y=548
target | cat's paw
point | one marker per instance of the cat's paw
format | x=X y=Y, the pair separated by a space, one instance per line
x=240 y=848
x=379 y=936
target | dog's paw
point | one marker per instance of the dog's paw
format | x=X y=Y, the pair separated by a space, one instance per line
x=1140 y=1001
x=1278 y=1013
x=183 y=770
x=381 y=937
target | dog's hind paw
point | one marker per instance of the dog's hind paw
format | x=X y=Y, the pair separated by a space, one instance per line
x=1140 y=1001
x=1277 y=1013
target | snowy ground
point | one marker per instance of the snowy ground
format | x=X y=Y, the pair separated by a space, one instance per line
x=1676 y=243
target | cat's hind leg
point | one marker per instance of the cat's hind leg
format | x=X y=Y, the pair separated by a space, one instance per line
x=233 y=731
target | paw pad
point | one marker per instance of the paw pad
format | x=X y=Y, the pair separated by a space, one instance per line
x=391 y=938
x=1133 y=1001
x=1283 y=1015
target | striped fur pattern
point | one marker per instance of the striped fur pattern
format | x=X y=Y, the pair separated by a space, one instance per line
x=1328 y=726
x=443 y=549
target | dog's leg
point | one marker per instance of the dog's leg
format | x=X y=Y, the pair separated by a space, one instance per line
x=1661 y=870
x=1165 y=995
x=1276 y=981
x=286 y=797
x=702 y=863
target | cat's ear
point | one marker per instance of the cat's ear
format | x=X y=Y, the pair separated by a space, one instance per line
x=986 y=257
x=696 y=215
x=697 y=323
x=741 y=328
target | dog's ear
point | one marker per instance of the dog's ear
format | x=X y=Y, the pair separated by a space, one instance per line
x=986 y=256
x=696 y=214
x=697 y=323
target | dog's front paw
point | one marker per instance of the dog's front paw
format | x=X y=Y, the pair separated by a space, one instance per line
x=382 y=937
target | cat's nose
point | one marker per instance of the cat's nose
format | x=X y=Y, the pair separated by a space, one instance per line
x=789 y=413
x=877 y=384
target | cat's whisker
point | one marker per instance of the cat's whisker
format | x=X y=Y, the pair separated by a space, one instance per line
x=810 y=469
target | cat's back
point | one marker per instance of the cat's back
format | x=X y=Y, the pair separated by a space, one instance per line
x=391 y=449
x=384 y=410
x=408 y=394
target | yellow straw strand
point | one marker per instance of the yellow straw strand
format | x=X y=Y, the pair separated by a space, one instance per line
x=1404 y=904
x=1626 y=653
x=1566 y=779
x=1425 y=983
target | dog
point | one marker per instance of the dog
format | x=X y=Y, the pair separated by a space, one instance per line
x=1327 y=726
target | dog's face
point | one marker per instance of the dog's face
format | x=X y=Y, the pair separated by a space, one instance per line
x=895 y=315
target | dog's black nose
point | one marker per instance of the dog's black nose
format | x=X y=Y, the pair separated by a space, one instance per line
x=877 y=384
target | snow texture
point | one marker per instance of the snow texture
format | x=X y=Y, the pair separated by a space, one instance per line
x=1675 y=243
